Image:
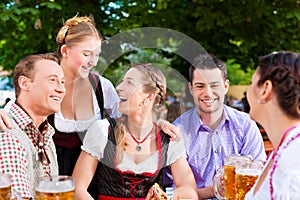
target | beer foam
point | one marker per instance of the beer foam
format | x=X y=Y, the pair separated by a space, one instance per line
x=4 y=181
x=249 y=172
x=55 y=187
x=4 y=184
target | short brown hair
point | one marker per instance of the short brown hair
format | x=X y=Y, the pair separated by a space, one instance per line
x=25 y=67
x=207 y=61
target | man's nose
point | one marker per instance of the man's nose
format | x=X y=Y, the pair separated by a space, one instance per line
x=61 y=88
x=208 y=90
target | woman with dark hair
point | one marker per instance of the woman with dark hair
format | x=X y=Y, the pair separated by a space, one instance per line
x=274 y=98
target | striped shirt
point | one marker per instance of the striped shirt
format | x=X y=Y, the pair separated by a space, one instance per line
x=207 y=148
x=19 y=152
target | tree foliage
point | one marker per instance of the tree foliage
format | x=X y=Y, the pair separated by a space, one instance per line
x=233 y=30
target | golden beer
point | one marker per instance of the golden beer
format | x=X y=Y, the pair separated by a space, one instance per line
x=229 y=182
x=5 y=187
x=5 y=192
x=224 y=180
x=55 y=196
x=244 y=180
x=55 y=188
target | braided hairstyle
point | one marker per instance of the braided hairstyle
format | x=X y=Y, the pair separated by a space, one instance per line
x=154 y=81
x=283 y=70
x=74 y=31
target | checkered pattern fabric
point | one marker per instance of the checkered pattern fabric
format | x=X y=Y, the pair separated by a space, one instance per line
x=14 y=153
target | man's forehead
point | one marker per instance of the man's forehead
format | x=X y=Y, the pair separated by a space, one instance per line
x=46 y=66
x=207 y=74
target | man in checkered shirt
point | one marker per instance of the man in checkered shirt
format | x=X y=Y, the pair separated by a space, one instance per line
x=27 y=152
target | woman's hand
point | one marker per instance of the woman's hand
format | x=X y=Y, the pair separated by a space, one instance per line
x=4 y=120
x=156 y=193
x=170 y=129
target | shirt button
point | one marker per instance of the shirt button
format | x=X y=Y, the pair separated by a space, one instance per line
x=216 y=151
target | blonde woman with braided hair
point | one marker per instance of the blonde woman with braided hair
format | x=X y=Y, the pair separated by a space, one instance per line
x=133 y=153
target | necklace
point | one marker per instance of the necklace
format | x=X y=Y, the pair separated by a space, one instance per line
x=276 y=156
x=138 y=147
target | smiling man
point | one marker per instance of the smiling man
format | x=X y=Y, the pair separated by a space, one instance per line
x=211 y=130
x=27 y=151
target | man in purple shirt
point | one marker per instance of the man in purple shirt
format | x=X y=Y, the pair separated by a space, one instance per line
x=212 y=130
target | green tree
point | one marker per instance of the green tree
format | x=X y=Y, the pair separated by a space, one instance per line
x=237 y=75
x=242 y=30
x=231 y=29
x=30 y=26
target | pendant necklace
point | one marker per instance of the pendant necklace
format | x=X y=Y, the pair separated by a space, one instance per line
x=138 y=147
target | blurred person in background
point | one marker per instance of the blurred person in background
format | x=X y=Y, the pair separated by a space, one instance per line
x=174 y=111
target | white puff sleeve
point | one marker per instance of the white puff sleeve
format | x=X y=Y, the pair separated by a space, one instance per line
x=95 y=139
x=176 y=150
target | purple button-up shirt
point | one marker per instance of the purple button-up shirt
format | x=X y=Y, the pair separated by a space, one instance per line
x=207 y=148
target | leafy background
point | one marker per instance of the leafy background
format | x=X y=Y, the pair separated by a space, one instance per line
x=236 y=31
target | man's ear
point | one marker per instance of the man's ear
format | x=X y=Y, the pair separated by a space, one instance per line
x=64 y=51
x=23 y=82
x=226 y=85
x=190 y=88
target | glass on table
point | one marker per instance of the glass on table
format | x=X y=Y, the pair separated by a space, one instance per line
x=55 y=188
x=224 y=180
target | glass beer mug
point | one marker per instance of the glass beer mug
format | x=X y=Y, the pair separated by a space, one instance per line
x=5 y=186
x=55 y=188
x=224 y=180
x=6 y=193
x=245 y=177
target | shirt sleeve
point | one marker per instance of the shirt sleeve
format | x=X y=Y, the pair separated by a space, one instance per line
x=253 y=142
x=95 y=139
x=13 y=161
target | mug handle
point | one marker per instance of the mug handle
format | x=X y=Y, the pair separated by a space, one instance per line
x=217 y=185
x=15 y=195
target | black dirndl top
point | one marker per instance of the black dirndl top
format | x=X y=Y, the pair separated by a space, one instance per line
x=113 y=182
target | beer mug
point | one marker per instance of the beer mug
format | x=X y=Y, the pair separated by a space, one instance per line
x=245 y=177
x=6 y=193
x=55 y=188
x=5 y=186
x=224 y=180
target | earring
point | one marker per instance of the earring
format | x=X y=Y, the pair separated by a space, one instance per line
x=261 y=101
x=146 y=101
